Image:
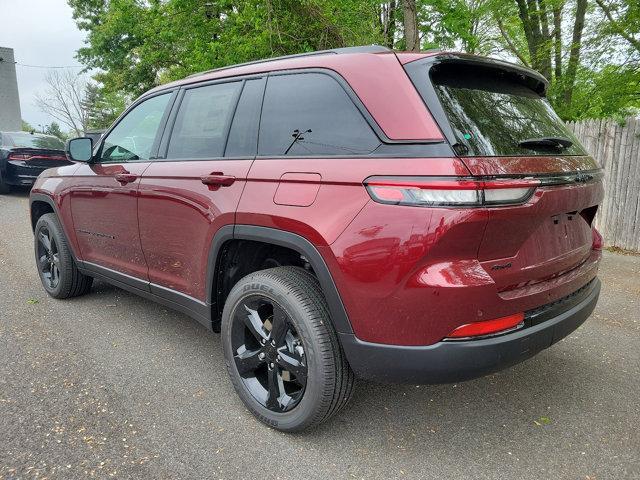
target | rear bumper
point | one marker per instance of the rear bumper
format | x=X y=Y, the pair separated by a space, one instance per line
x=453 y=361
x=19 y=174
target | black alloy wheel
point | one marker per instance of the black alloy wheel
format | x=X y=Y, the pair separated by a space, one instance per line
x=269 y=354
x=282 y=353
x=56 y=266
x=48 y=258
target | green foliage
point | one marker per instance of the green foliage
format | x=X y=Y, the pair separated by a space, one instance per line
x=102 y=106
x=451 y=24
x=138 y=44
x=55 y=130
x=27 y=127
x=613 y=92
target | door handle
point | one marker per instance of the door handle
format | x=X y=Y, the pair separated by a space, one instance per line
x=218 y=179
x=124 y=178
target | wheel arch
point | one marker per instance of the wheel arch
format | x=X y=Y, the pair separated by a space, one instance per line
x=280 y=238
x=41 y=204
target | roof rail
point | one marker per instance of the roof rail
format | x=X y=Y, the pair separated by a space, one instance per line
x=334 y=51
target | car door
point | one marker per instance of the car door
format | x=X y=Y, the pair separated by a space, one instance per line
x=312 y=142
x=189 y=194
x=104 y=199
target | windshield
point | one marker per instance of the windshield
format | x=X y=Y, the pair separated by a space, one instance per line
x=27 y=140
x=492 y=112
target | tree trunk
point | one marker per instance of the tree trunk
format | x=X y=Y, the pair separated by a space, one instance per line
x=411 y=35
x=545 y=39
x=557 y=43
x=523 y=13
x=535 y=23
x=574 y=55
x=388 y=22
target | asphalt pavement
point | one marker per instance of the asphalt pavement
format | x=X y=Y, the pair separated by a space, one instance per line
x=110 y=385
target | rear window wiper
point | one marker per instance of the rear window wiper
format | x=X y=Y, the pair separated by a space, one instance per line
x=552 y=143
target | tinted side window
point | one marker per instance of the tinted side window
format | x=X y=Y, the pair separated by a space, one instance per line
x=243 y=136
x=134 y=135
x=201 y=124
x=311 y=114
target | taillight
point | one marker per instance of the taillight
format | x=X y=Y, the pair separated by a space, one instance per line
x=488 y=327
x=596 y=239
x=19 y=156
x=450 y=191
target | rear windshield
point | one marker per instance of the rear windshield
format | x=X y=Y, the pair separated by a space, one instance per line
x=27 y=140
x=491 y=112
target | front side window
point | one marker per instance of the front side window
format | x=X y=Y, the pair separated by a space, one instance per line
x=311 y=114
x=133 y=137
x=201 y=124
x=495 y=114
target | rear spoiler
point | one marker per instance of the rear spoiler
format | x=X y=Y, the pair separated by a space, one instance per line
x=531 y=78
x=419 y=72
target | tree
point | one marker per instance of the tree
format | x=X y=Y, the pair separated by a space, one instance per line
x=623 y=20
x=27 y=127
x=54 y=129
x=387 y=13
x=102 y=107
x=63 y=99
x=410 y=20
x=581 y=46
x=138 y=45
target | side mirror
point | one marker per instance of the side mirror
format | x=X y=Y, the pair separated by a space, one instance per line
x=80 y=149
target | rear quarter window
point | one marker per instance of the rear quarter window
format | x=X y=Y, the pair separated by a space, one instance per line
x=491 y=112
x=310 y=114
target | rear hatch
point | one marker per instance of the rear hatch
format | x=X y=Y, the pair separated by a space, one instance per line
x=496 y=117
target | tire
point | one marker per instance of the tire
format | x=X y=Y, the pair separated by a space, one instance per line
x=311 y=347
x=58 y=271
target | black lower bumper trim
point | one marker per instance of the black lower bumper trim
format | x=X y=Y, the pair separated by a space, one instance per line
x=446 y=362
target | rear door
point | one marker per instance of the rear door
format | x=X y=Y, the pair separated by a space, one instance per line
x=104 y=202
x=501 y=125
x=312 y=139
x=193 y=190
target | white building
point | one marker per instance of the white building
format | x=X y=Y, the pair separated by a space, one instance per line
x=10 y=117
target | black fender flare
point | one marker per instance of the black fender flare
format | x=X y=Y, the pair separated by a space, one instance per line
x=285 y=239
x=41 y=197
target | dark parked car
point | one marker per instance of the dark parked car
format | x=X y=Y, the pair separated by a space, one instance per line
x=352 y=213
x=94 y=135
x=24 y=156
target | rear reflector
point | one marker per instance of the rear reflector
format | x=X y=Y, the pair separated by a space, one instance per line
x=596 y=239
x=449 y=191
x=488 y=327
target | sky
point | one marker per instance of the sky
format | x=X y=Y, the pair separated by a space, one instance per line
x=41 y=32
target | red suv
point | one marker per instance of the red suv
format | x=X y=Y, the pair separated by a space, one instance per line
x=358 y=212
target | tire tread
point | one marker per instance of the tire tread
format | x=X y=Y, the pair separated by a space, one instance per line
x=73 y=282
x=305 y=288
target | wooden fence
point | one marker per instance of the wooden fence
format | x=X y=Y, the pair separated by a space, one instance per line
x=617 y=149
